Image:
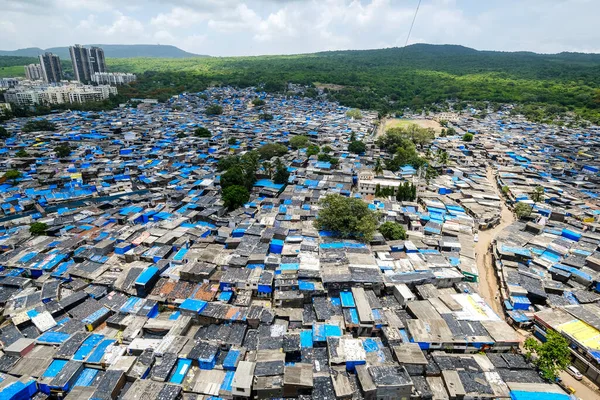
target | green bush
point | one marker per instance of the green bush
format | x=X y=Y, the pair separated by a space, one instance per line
x=214 y=109
x=312 y=150
x=281 y=173
x=202 y=132
x=271 y=150
x=39 y=125
x=4 y=133
x=357 y=147
x=299 y=142
x=392 y=231
x=63 y=150
x=38 y=228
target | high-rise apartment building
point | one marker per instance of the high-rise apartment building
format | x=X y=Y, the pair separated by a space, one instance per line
x=97 y=61
x=86 y=62
x=33 y=72
x=80 y=57
x=51 y=67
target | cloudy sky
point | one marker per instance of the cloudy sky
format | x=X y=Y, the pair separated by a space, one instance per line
x=253 y=27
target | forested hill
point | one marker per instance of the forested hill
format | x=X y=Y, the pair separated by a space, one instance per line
x=461 y=60
x=389 y=80
x=110 y=50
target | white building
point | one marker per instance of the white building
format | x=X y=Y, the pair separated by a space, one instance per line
x=68 y=93
x=8 y=82
x=367 y=182
x=34 y=72
x=113 y=78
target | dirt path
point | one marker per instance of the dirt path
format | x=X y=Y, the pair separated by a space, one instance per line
x=488 y=282
x=380 y=131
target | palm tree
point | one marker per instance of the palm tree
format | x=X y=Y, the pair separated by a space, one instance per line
x=443 y=158
x=538 y=194
x=378 y=167
x=268 y=167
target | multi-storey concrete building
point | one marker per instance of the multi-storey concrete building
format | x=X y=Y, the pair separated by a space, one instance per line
x=33 y=72
x=51 y=68
x=44 y=94
x=97 y=61
x=113 y=78
x=86 y=62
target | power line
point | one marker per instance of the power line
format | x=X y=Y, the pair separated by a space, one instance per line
x=411 y=28
x=413 y=23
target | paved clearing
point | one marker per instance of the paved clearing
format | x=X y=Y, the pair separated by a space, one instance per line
x=584 y=389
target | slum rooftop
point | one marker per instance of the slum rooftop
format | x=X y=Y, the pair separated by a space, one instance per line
x=144 y=286
x=548 y=263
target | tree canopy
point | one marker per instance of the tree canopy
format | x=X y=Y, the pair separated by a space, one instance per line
x=538 y=194
x=347 y=217
x=522 y=210
x=4 y=133
x=553 y=355
x=281 y=173
x=63 y=150
x=21 y=153
x=544 y=86
x=392 y=231
x=39 y=125
x=406 y=192
x=12 y=174
x=239 y=171
x=312 y=150
x=354 y=113
x=357 y=147
x=271 y=150
x=38 y=228
x=235 y=196
x=258 y=102
x=467 y=137
x=214 y=109
x=299 y=142
x=202 y=132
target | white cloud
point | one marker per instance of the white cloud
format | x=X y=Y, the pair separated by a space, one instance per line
x=246 y=27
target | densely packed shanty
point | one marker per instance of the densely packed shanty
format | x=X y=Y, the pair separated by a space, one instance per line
x=547 y=262
x=144 y=286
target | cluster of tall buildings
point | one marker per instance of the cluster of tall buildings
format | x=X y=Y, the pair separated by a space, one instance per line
x=50 y=68
x=86 y=62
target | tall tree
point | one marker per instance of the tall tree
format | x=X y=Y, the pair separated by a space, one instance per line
x=538 y=194
x=348 y=217
x=553 y=355
x=378 y=167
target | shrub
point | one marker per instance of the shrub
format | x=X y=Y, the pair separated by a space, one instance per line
x=38 y=228
x=392 y=231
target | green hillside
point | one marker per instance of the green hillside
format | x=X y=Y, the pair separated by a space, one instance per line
x=389 y=80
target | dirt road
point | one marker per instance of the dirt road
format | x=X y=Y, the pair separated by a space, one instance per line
x=488 y=282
